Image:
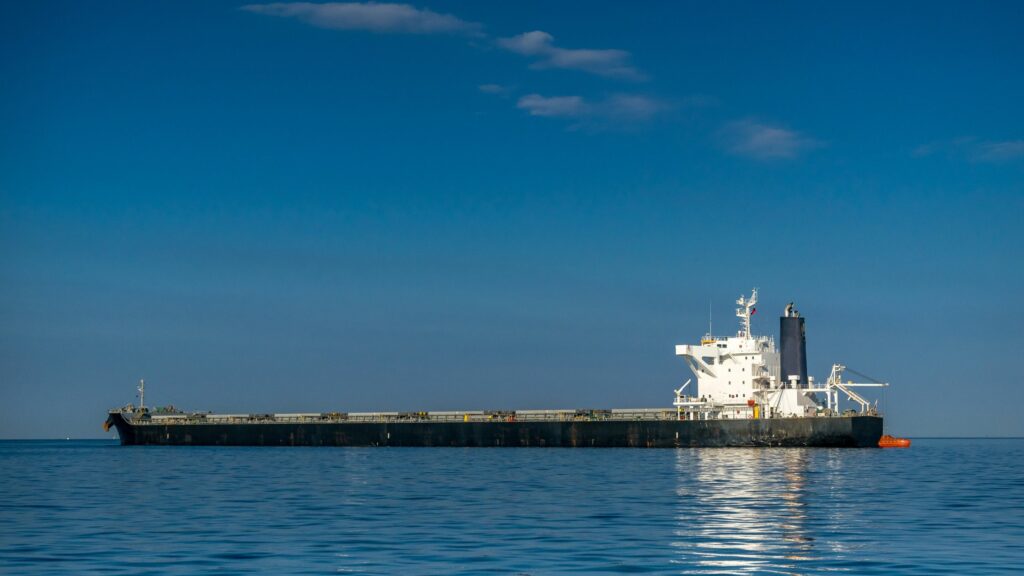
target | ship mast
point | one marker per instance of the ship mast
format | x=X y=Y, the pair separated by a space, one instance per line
x=745 y=311
x=142 y=394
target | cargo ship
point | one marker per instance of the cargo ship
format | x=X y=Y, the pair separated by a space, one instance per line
x=748 y=393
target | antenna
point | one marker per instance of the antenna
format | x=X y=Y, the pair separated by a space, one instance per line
x=709 y=318
x=142 y=393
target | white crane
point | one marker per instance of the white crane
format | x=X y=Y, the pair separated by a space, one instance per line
x=835 y=384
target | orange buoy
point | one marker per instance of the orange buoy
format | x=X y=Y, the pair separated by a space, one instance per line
x=888 y=441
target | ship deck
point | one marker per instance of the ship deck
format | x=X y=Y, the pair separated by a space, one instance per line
x=568 y=415
x=573 y=415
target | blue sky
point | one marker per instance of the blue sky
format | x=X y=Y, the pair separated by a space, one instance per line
x=469 y=205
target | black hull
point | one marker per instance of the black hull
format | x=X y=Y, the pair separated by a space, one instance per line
x=852 y=431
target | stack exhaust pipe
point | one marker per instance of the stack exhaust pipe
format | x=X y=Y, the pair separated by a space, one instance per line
x=793 y=353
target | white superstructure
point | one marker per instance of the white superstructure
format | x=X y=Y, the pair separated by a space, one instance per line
x=740 y=377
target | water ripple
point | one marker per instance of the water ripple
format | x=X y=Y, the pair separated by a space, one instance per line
x=942 y=507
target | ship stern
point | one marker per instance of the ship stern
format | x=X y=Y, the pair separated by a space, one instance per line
x=866 y=431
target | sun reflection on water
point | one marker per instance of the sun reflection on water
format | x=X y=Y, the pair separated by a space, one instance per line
x=743 y=510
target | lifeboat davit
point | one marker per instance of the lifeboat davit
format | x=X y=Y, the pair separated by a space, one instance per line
x=888 y=441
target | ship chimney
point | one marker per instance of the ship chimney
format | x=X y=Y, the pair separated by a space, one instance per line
x=793 y=356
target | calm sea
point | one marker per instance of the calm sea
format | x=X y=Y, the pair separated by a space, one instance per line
x=943 y=506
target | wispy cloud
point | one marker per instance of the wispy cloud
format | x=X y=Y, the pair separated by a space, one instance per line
x=759 y=141
x=391 y=18
x=494 y=89
x=974 y=150
x=371 y=16
x=633 y=107
x=999 y=151
x=564 y=106
x=541 y=45
x=618 y=108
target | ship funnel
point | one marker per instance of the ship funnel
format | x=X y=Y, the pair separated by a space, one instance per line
x=793 y=355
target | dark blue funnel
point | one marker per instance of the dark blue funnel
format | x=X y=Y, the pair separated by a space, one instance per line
x=794 y=349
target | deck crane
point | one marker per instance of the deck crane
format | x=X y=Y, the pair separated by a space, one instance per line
x=835 y=384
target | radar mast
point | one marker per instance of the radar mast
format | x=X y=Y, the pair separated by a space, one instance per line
x=745 y=311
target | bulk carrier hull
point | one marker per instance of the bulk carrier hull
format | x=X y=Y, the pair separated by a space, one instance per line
x=836 y=431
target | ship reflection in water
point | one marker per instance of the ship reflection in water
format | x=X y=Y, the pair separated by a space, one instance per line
x=744 y=510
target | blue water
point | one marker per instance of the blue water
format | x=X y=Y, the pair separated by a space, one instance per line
x=943 y=506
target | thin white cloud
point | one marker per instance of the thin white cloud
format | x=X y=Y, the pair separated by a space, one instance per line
x=534 y=43
x=493 y=89
x=371 y=16
x=974 y=150
x=541 y=45
x=564 y=106
x=999 y=151
x=633 y=107
x=760 y=141
x=622 y=108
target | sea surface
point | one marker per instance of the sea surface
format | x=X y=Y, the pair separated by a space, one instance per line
x=940 y=507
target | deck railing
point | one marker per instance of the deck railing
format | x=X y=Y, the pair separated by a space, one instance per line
x=406 y=417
